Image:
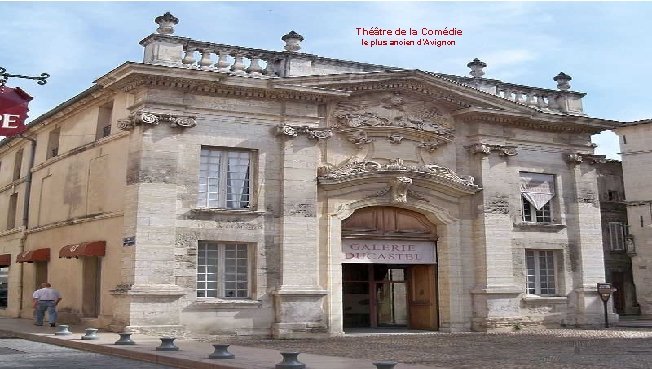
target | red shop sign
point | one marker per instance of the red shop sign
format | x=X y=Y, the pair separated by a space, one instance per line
x=13 y=110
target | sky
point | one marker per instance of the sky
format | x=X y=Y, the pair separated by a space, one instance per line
x=604 y=46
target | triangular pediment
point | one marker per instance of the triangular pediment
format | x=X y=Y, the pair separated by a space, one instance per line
x=450 y=95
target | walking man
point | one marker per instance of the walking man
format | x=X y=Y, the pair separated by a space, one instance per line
x=46 y=298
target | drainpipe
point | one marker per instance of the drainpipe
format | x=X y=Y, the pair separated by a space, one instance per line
x=23 y=239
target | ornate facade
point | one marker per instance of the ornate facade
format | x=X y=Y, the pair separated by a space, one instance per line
x=248 y=191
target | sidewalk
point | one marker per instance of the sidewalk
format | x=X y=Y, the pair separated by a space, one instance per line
x=191 y=354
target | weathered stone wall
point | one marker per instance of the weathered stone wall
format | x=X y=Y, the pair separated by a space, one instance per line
x=637 y=177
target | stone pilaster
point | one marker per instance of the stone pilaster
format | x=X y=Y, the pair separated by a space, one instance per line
x=587 y=260
x=495 y=301
x=299 y=299
x=147 y=298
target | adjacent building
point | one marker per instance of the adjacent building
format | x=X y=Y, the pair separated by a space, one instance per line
x=225 y=189
x=635 y=146
x=617 y=250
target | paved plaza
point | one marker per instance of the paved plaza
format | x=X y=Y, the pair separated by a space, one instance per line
x=619 y=347
x=550 y=349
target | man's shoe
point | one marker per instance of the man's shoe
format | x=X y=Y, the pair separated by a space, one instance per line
x=40 y=325
x=53 y=324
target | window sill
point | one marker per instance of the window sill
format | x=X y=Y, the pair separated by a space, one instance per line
x=225 y=211
x=218 y=304
x=544 y=300
x=539 y=227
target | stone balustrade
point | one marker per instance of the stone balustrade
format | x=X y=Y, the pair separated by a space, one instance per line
x=223 y=58
x=541 y=98
x=183 y=52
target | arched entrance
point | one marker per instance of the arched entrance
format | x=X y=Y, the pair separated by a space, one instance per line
x=389 y=271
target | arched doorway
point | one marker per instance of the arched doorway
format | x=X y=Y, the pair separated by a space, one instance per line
x=389 y=272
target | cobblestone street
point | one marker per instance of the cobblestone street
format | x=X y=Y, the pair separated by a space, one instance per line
x=18 y=353
x=550 y=349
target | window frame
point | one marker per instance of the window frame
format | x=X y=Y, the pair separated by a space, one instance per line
x=543 y=216
x=536 y=254
x=222 y=194
x=622 y=232
x=220 y=280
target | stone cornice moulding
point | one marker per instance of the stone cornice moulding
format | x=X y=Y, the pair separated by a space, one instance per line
x=145 y=118
x=486 y=149
x=578 y=158
x=356 y=169
x=134 y=76
x=289 y=131
x=539 y=121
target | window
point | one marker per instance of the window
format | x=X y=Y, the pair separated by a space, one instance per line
x=104 y=120
x=224 y=179
x=53 y=144
x=616 y=236
x=624 y=140
x=536 y=192
x=541 y=272
x=18 y=164
x=4 y=271
x=223 y=270
x=11 y=211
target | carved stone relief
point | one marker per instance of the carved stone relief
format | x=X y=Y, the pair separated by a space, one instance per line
x=357 y=168
x=486 y=149
x=577 y=158
x=311 y=133
x=394 y=117
x=148 y=118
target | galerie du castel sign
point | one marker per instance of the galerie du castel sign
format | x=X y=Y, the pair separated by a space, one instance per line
x=13 y=110
x=388 y=251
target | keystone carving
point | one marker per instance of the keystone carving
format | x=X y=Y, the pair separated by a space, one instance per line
x=154 y=119
x=312 y=133
x=399 y=189
x=486 y=149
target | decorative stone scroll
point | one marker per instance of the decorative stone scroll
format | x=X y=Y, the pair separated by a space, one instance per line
x=577 y=158
x=312 y=133
x=486 y=149
x=355 y=168
x=154 y=119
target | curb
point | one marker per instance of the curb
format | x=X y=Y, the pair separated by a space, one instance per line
x=132 y=352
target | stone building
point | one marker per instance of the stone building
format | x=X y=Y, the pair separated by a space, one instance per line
x=221 y=188
x=617 y=251
x=635 y=139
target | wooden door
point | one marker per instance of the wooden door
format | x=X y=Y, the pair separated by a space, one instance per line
x=617 y=281
x=422 y=297
x=91 y=269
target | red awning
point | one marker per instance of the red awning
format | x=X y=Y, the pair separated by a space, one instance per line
x=94 y=248
x=5 y=260
x=34 y=255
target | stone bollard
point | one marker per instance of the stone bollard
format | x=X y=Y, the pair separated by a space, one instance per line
x=167 y=344
x=91 y=334
x=125 y=339
x=221 y=352
x=62 y=330
x=290 y=361
x=385 y=364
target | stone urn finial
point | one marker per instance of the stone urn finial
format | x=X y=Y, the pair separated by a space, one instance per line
x=292 y=41
x=476 y=68
x=166 y=23
x=562 y=80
